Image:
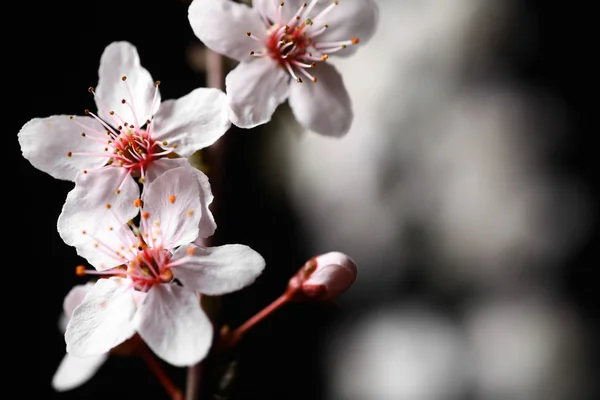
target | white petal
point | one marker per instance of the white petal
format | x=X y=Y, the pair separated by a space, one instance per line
x=218 y=270
x=173 y=207
x=86 y=218
x=194 y=121
x=174 y=326
x=323 y=106
x=103 y=320
x=272 y=8
x=349 y=19
x=75 y=371
x=254 y=90
x=207 y=224
x=222 y=25
x=45 y=142
x=121 y=59
x=75 y=297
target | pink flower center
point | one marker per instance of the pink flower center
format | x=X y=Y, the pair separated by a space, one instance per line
x=295 y=44
x=127 y=145
x=141 y=255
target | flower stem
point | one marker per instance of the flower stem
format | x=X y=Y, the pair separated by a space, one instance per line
x=160 y=374
x=265 y=312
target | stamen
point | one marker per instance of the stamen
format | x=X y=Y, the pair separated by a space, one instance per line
x=131 y=103
x=296 y=16
x=326 y=10
x=291 y=71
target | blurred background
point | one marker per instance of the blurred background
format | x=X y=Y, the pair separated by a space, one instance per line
x=464 y=192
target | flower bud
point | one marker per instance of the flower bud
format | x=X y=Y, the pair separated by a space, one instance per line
x=323 y=277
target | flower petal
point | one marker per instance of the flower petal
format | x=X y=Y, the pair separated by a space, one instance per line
x=349 y=19
x=174 y=326
x=222 y=25
x=46 y=143
x=103 y=320
x=254 y=90
x=335 y=272
x=172 y=208
x=75 y=371
x=92 y=208
x=323 y=106
x=121 y=59
x=207 y=224
x=273 y=8
x=75 y=297
x=218 y=270
x=192 y=122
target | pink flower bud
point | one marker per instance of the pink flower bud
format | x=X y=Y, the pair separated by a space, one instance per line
x=323 y=277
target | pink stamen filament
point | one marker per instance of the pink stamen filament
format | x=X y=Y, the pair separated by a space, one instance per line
x=296 y=16
x=131 y=105
x=325 y=11
x=104 y=124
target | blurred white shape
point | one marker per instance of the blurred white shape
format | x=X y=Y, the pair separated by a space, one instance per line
x=489 y=203
x=527 y=349
x=396 y=353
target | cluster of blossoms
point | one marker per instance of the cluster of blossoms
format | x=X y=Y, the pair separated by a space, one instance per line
x=139 y=212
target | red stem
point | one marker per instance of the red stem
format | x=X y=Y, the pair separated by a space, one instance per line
x=160 y=374
x=265 y=312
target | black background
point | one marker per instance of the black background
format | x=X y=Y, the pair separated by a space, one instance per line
x=52 y=50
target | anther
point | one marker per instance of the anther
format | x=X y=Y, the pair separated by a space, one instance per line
x=324 y=57
x=138 y=203
x=83 y=134
x=86 y=111
x=123 y=78
x=123 y=101
x=190 y=213
x=156 y=83
x=108 y=206
x=69 y=154
x=145 y=214
x=248 y=33
x=111 y=112
x=172 y=198
x=298 y=80
x=80 y=270
x=118 y=191
x=91 y=89
x=355 y=40
x=190 y=251
x=84 y=171
x=70 y=117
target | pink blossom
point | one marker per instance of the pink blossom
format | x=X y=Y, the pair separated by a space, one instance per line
x=155 y=273
x=132 y=132
x=279 y=46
